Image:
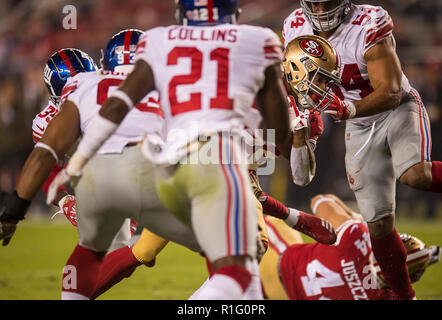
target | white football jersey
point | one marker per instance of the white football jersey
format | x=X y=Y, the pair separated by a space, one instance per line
x=363 y=28
x=207 y=77
x=89 y=90
x=41 y=120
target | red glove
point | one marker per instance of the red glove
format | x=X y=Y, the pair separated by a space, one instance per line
x=316 y=124
x=337 y=108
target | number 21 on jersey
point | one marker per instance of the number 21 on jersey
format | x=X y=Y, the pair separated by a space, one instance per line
x=220 y=56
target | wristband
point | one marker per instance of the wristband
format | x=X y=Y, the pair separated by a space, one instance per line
x=351 y=110
x=16 y=208
x=45 y=146
x=123 y=97
x=293 y=217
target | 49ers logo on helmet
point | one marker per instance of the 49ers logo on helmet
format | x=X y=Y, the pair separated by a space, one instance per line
x=311 y=47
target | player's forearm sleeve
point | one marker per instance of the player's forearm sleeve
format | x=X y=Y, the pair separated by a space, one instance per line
x=300 y=165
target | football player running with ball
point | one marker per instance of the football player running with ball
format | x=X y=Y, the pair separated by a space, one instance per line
x=387 y=127
x=204 y=103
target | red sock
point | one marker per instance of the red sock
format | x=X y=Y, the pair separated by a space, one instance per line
x=436 y=175
x=116 y=266
x=391 y=256
x=240 y=274
x=81 y=271
x=273 y=207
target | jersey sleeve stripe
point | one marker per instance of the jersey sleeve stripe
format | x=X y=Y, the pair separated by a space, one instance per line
x=36 y=137
x=379 y=34
x=67 y=90
x=273 y=52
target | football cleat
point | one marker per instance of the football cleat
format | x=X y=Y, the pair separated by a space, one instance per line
x=328 y=20
x=206 y=12
x=307 y=59
x=120 y=51
x=63 y=64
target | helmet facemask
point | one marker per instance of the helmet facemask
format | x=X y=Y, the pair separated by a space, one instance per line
x=328 y=20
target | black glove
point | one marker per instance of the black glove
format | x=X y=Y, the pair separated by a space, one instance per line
x=12 y=210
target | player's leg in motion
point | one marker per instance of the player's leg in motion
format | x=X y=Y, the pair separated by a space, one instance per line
x=103 y=217
x=426 y=174
x=222 y=213
x=373 y=161
x=409 y=139
x=122 y=262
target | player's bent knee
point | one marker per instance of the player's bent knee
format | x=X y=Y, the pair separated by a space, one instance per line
x=417 y=176
x=381 y=228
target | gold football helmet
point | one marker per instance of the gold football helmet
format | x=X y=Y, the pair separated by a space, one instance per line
x=419 y=257
x=306 y=60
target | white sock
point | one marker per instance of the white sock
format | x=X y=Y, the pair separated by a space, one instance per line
x=219 y=287
x=66 y=295
x=254 y=291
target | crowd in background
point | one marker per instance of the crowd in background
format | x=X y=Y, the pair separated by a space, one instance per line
x=30 y=31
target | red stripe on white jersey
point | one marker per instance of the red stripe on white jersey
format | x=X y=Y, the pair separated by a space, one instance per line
x=380 y=34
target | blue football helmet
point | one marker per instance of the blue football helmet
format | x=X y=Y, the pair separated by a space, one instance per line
x=120 y=50
x=63 y=64
x=206 y=12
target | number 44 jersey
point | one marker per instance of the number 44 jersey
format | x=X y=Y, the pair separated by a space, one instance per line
x=208 y=76
x=342 y=271
x=364 y=27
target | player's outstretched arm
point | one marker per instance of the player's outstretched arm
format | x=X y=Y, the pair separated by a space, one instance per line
x=272 y=102
x=61 y=133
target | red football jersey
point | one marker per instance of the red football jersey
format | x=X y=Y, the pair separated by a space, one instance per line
x=341 y=271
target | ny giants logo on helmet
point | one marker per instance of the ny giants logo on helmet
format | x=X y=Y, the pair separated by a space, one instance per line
x=47 y=74
x=311 y=47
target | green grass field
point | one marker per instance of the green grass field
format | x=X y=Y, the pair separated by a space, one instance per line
x=31 y=266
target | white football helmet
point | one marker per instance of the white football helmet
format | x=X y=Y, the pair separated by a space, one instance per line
x=328 y=20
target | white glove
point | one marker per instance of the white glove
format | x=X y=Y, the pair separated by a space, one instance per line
x=298 y=119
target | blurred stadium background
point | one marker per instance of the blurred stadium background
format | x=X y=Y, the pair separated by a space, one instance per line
x=30 y=31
